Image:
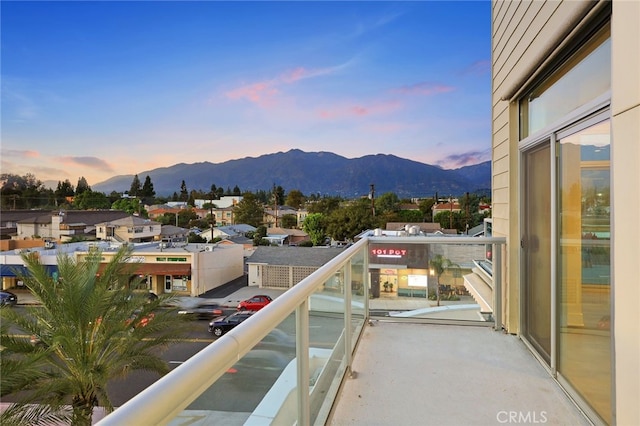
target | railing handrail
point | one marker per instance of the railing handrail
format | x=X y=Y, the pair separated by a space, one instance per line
x=156 y=406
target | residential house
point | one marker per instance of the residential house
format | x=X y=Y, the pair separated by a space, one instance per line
x=63 y=225
x=131 y=229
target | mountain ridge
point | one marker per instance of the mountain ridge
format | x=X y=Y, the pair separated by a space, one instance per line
x=322 y=173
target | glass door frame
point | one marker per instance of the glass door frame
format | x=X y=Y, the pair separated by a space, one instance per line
x=575 y=120
x=588 y=115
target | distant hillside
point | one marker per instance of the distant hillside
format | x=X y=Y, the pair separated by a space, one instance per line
x=321 y=173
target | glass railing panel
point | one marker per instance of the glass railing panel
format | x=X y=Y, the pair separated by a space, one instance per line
x=359 y=294
x=265 y=379
x=244 y=391
x=326 y=343
x=438 y=281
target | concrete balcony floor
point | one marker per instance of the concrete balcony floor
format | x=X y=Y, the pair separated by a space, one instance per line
x=431 y=374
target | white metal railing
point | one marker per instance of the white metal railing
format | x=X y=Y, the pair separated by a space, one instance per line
x=168 y=397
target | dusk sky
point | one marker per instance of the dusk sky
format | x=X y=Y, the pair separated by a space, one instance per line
x=98 y=89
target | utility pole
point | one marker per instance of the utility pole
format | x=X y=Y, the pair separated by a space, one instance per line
x=373 y=202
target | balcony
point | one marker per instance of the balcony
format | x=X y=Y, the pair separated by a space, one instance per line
x=428 y=350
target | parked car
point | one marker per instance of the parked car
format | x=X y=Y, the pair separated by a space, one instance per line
x=8 y=299
x=221 y=325
x=255 y=303
x=205 y=310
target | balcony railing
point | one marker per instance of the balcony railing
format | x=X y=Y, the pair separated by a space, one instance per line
x=290 y=357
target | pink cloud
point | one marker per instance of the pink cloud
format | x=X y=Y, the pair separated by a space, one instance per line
x=478 y=68
x=258 y=93
x=294 y=75
x=20 y=153
x=424 y=88
x=265 y=92
x=378 y=108
x=92 y=162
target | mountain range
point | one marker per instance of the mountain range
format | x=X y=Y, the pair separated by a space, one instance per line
x=322 y=173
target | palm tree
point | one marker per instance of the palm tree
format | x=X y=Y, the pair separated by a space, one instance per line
x=439 y=264
x=84 y=338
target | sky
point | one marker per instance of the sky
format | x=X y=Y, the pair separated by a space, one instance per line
x=97 y=89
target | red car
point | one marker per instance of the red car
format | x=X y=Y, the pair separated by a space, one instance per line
x=256 y=303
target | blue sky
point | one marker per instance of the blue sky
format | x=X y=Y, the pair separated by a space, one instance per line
x=98 y=89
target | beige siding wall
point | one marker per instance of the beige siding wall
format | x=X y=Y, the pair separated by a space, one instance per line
x=625 y=36
x=524 y=34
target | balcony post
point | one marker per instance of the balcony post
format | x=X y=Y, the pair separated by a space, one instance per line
x=302 y=364
x=347 y=317
x=497 y=286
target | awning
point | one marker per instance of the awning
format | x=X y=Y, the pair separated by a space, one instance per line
x=158 y=268
x=10 y=270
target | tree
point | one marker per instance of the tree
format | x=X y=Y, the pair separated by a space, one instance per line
x=84 y=338
x=315 y=226
x=82 y=186
x=425 y=207
x=387 y=202
x=325 y=205
x=64 y=190
x=147 y=189
x=289 y=221
x=248 y=211
x=21 y=192
x=131 y=206
x=91 y=200
x=184 y=193
x=295 y=199
x=259 y=236
x=136 y=187
x=439 y=264
x=345 y=223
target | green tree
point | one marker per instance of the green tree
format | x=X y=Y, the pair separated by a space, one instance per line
x=345 y=223
x=325 y=205
x=136 y=187
x=439 y=264
x=426 y=206
x=91 y=200
x=64 y=190
x=295 y=199
x=147 y=190
x=259 y=236
x=315 y=226
x=82 y=186
x=131 y=206
x=289 y=221
x=248 y=211
x=21 y=192
x=85 y=338
x=184 y=193
x=387 y=202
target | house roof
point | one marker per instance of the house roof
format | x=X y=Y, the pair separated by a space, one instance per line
x=129 y=221
x=86 y=217
x=172 y=230
x=294 y=256
x=238 y=229
x=424 y=226
x=285 y=231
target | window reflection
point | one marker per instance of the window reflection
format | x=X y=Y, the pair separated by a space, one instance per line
x=585 y=264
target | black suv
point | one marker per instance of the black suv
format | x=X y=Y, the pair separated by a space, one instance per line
x=221 y=325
